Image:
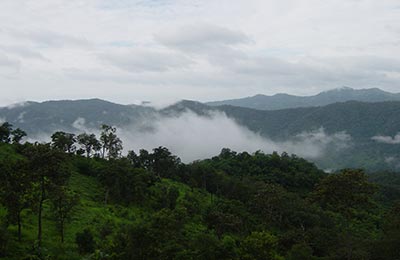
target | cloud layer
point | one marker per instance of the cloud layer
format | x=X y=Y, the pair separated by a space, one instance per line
x=202 y=50
x=194 y=137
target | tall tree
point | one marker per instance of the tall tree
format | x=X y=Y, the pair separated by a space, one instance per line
x=89 y=143
x=64 y=141
x=111 y=144
x=49 y=171
x=63 y=201
x=133 y=158
x=15 y=190
x=18 y=135
x=164 y=163
x=5 y=132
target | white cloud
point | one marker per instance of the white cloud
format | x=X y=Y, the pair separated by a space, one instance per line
x=146 y=60
x=8 y=66
x=202 y=37
x=79 y=124
x=21 y=116
x=23 y=51
x=203 y=50
x=387 y=139
x=18 y=104
x=193 y=137
x=49 y=39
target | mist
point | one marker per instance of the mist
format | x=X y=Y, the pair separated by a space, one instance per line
x=193 y=137
x=387 y=139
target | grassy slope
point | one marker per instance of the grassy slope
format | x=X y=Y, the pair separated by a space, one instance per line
x=90 y=213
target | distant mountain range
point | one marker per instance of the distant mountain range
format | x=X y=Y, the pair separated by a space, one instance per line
x=362 y=122
x=50 y=116
x=283 y=101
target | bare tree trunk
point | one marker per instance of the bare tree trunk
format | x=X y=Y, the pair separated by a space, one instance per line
x=106 y=196
x=103 y=152
x=62 y=231
x=40 y=215
x=19 y=226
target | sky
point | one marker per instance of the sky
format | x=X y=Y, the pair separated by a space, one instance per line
x=128 y=51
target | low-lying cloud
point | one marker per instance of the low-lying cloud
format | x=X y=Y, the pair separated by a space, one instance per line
x=387 y=139
x=194 y=137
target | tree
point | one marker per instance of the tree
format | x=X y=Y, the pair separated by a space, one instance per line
x=388 y=247
x=167 y=197
x=63 y=201
x=346 y=192
x=4 y=238
x=133 y=158
x=226 y=217
x=16 y=189
x=260 y=245
x=111 y=144
x=145 y=159
x=64 y=141
x=159 y=237
x=18 y=135
x=48 y=171
x=301 y=252
x=5 y=132
x=89 y=143
x=85 y=242
x=164 y=163
x=123 y=183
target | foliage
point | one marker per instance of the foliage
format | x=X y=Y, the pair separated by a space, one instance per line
x=59 y=204
x=85 y=242
x=110 y=142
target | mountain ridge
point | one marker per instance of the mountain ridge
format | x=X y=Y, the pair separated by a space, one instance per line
x=362 y=121
x=283 y=100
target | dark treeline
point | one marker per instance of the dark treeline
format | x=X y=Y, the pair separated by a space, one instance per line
x=78 y=197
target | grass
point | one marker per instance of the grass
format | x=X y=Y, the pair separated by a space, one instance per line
x=91 y=213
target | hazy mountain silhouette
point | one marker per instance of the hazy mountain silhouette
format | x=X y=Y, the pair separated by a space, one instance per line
x=283 y=101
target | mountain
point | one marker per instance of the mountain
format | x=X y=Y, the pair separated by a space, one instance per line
x=354 y=125
x=283 y=101
x=70 y=115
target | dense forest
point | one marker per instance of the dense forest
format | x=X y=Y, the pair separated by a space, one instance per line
x=78 y=197
x=359 y=122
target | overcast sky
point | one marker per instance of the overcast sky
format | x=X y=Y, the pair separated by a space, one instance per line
x=128 y=51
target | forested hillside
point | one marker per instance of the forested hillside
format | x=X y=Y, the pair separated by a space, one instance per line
x=50 y=116
x=360 y=122
x=362 y=125
x=77 y=197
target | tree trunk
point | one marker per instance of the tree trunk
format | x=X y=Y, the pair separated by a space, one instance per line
x=19 y=225
x=104 y=152
x=62 y=231
x=106 y=197
x=40 y=223
x=40 y=215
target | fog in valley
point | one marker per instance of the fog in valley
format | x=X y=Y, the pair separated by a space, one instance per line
x=193 y=137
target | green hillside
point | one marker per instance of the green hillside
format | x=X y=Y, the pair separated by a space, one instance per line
x=75 y=205
x=361 y=121
x=103 y=220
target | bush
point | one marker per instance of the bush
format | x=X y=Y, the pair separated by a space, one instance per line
x=85 y=242
x=3 y=239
